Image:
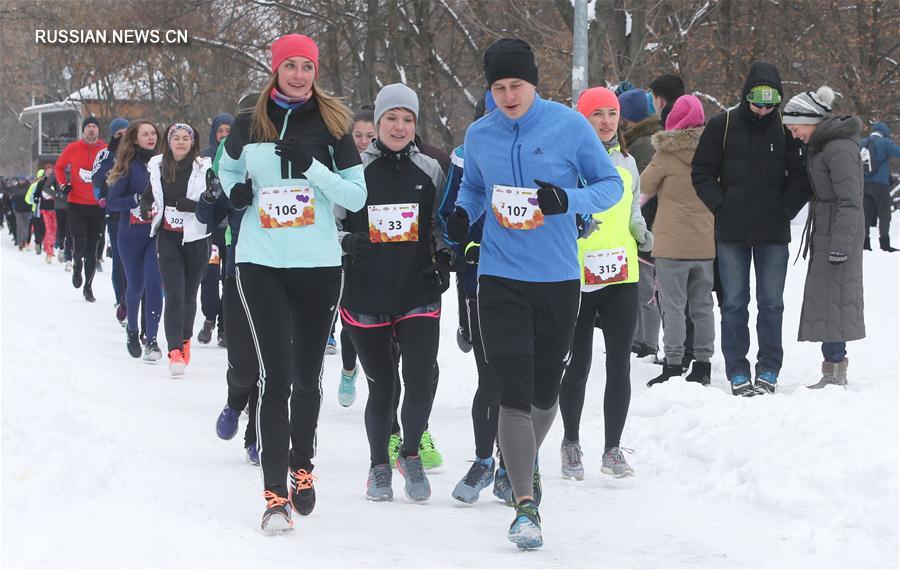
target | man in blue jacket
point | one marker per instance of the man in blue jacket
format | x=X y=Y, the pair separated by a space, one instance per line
x=526 y=166
x=877 y=183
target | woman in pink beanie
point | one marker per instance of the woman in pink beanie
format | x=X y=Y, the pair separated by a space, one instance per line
x=684 y=245
x=287 y=165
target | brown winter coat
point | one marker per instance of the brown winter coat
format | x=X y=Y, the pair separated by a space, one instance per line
x=638 y=140
x=684 y=226
x=833 y=296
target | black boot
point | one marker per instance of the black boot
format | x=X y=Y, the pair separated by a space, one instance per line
x=700 y=373
x=686 y=361
x=885 y=242
x=867 y=244
x=669 y=371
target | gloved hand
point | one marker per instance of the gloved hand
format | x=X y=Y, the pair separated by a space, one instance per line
x=146 y=204
x=65 y=189
x=357 y=245
x=241 y=194
x=102 y=203
x=185 y=204
x=213 y=187
x=645 y=242
x=837 y=257
x=552 y=199
x=458 y=225
x=473 y=252
x=440 y=272
x=295 y=152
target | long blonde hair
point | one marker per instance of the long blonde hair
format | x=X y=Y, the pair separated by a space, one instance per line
x=335 y=114
x=127 y=150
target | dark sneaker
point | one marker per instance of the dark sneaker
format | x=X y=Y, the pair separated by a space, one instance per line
x=302 y=492
x=205 y=334
x=227 y=423
x=741 y=386
x=463 y=341
x=700 y=373
x=766 y=382
x=277 y=517
x=252 y=454
x=152 y=352
x=133 y=343
x=88 y=294
x=669 y=371
x=503 y=487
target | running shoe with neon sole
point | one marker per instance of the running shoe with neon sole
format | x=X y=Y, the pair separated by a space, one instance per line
x=525 y=530
x=431 y=457
x=394 y=444
x=277 y=517
x=347 y=387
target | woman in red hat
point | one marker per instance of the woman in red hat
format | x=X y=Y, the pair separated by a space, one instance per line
x=287 y=164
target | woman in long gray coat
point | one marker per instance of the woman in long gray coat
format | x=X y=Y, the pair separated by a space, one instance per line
x=833 y=297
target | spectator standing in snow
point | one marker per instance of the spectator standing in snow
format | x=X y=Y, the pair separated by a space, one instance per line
x=748 y=171
x=877 y=197
x=833 y=296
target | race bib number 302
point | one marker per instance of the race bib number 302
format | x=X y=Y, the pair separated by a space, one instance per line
x=605 y=267
x=287 y=206
x=173 y=220
x=393 y=223
x=516 y=208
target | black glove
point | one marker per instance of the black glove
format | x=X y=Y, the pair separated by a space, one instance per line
x=458 y=225
x=184 y=204
x=552 y=199
x=146 y=205
x=65 y=189
x=836 y=257
x=293 y=151
x=241 y=195
x=213 y=187
x=440 y=272
x=473 y=252
x=357 y=246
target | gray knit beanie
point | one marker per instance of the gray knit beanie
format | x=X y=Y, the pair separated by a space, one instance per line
x=808 y=108
x=396 y=96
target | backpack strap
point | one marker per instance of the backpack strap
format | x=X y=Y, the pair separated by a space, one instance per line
x=727 y=121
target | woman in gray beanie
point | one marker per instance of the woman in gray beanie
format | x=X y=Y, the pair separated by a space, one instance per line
x=833 y=296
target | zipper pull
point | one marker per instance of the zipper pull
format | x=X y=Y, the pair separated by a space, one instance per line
x=772 y=147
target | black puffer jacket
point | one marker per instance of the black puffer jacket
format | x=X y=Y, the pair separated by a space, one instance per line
x=752 y=177
x=395 y=278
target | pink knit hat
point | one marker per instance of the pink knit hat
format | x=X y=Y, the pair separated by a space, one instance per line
x=687 y=113
x=292 y=45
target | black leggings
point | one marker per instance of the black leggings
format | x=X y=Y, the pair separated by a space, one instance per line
x=290 y=311
x=63 y=237
x=418 y=339
x=486 y=403
x=86 y=224
x=182 y=267
x=210 y=302
x=348 y=351
x=243 y=366
x=616 y=306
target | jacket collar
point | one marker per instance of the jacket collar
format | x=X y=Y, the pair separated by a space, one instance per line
x=530 y=117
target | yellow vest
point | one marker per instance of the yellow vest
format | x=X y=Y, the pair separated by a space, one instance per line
x=611 y=250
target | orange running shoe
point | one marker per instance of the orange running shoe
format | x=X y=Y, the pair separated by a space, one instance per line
x=302 y=492
x=277 y=517
x=176 y=362
x=186 y=349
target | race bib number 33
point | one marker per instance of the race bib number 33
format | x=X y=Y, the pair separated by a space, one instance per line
x=393 y=223
x=287 y=206
x=606 y=266
x=516 y=208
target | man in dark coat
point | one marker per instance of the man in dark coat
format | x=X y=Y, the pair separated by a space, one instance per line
x=748 y=171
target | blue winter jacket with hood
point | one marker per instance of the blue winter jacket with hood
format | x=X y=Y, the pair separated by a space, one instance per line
x=881 y=149
x=219 y=120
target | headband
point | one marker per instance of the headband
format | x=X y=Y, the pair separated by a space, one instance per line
x=177 y=126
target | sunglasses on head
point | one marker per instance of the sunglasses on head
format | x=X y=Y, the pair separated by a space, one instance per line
x=764 y=105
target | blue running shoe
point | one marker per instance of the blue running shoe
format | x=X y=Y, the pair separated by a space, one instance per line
x=227 y=424
x=766 y=382
x=480 y=475
x=347 y=387
x=503 y=487
x=525 y=530
x=252 y=454
x=331 y=347
x=741 y=386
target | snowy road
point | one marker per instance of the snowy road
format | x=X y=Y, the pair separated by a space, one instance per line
x=109 y=462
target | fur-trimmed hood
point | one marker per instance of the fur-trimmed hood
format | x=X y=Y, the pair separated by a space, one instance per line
x=643 y=128
x=834 y=128
x=681 y=143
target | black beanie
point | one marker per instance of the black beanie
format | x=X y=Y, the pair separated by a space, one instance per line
x=510 y=57
x=89 y=120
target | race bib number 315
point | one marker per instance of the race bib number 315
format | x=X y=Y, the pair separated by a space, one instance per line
x=516 y=208
x=605 y=266
x=287 y=206
x=393 y=223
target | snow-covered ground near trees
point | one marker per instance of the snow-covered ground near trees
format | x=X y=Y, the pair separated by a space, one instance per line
x=109 y=462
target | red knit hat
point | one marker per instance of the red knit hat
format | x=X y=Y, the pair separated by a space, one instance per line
x=293 y=45
x=596 y=98
x=686 y=113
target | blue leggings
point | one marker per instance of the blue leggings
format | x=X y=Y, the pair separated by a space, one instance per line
x=138 y=255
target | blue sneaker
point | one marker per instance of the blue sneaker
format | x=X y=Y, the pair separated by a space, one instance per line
x=252 y=454
x=766 y=382
x=480 y=475
x=525 y=530
x=741 y=386
x=503 y=487
x=347 y=387
x=227 y=424
x=331 y=347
